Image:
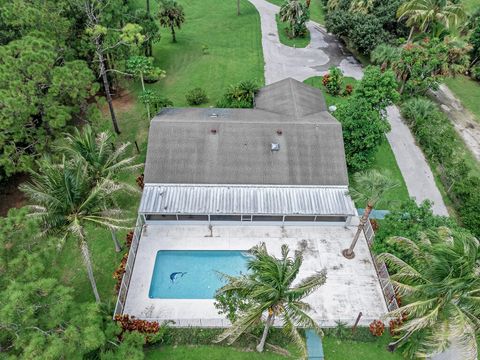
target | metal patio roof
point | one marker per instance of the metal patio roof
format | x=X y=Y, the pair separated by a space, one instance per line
x=202 y=199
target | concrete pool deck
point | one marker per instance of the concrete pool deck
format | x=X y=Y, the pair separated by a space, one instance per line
x=352 y=285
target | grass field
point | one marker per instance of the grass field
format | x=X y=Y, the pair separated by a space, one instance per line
x=467 y=91
x=299 y=42
x=334 y=349
x=346 y=349
x=210 y=352
x=384 y=158
x=317 y=13
x=471 y=5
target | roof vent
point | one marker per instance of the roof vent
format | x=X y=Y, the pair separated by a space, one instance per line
x=213 y=115
x=213 y=131
x=279 y=132
x=275 y=147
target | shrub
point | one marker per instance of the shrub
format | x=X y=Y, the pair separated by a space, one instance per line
x=366 y=33
x=363 y=131
x=240 y=95
x=378 y=87
x=409 y=220
x=333 y=81
x=440 y=143
x=348 y=90
x=377 y=328
x=196 y=96
x=475 y=73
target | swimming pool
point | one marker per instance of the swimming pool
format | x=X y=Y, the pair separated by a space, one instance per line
x=192 y=274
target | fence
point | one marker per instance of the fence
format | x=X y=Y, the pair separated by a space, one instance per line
x=382 y=272
x=122 y=293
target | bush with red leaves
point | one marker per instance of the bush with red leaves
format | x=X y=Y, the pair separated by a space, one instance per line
x=118 y=274
x=140 y=181
x=374 y=224
x=130 y=323
x=396 y=323
x=377 y=328
x=348 y=90
x=129 y=238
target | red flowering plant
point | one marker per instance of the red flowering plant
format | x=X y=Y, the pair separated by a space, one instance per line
x=118 y=274
x=377 y=328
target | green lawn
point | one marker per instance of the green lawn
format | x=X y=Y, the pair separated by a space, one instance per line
x=334 y=349
x=471 y=5
x=355 y=350
x=317 y=13
x=283 y=30
x=384 y=158
x=467 y=91
x=234 y=50
x=210 y=352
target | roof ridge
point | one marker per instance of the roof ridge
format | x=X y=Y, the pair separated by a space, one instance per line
x=297 y=115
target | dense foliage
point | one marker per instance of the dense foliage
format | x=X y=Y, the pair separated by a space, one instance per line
x=421 y=66
x=296 y=14
x=39 y=315
x=40 y=96
x=240 y=95
x=363 y=25
x=440 y=143
x=409 y=220
x=440 y=284
x=364 y=130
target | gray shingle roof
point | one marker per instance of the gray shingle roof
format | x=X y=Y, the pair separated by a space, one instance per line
x=182 y=149
x=290 y=97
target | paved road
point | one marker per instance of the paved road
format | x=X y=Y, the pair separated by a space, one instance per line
x=283 y=61
x=324 y=51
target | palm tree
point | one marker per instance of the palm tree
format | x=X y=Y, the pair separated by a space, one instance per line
x=98 y=152
x=361 y=6
x=441 y=285
x=102 y=160
x=422 y=14
x=171 y=15
x=296 y=14
x=65 y=202
x=268 y=288
x=385 y=55
x=370 y=186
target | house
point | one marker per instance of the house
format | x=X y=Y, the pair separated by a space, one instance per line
x=227 y=179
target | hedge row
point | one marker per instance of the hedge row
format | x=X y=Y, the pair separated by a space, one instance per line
x=437 y=137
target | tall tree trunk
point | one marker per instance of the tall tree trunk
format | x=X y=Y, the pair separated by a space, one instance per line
x=118 y=247
x=348 y=253
x=307 y=2
x=148 y=7
x=238 y=7
x=411 y=34
x=268 y=323
x=148 y=104
x=88 y=264
x=172 y=27
x=106 y=86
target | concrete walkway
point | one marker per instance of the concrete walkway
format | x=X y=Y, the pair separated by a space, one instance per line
x=324 y=51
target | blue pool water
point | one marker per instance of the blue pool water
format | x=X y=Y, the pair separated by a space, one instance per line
x=192 y=274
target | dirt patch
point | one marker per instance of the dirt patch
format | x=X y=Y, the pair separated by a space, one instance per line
x=124 y=102
x=10 y=195
x=462 y=119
